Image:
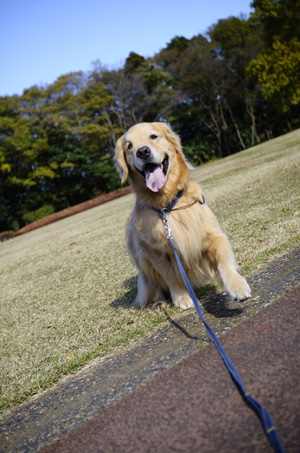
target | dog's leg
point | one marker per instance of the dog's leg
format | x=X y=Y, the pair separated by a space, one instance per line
x=150 y=289
x=180 y=297
x=222 y=259
x=172 y=278
x=148 y=292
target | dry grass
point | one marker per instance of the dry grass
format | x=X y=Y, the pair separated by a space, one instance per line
x=67 y=288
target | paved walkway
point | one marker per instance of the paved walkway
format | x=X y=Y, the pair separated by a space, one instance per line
x=195 y=407
x=169 y=394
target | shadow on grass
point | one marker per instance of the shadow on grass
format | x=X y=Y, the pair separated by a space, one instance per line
x=213 y=302
x=127 y=300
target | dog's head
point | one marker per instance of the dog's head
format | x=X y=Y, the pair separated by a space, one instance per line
x=151 y=154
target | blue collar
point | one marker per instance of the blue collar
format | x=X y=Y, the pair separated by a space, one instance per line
x=170 y=207
x=173 y=203
x=162 y=212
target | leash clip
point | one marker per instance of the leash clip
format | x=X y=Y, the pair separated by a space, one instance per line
x=167 y=227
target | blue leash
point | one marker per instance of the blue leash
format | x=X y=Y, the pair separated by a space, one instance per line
x=260 y=410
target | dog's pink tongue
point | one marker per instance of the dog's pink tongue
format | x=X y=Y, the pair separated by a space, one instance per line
x=155 y=179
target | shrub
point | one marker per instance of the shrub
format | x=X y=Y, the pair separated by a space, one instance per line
x=32 y=216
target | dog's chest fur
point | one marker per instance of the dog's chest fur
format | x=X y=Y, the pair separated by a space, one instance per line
x=147 y=237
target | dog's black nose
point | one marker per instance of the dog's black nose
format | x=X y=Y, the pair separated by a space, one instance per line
x=143 y=152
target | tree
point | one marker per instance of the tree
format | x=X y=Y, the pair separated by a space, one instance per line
x=55 y=149
x=233 y=87
x=140 y=91
x=236 y=43
x=203 y=77
x=277 y=68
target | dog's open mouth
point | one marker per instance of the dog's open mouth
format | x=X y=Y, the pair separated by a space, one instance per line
x=155 y=174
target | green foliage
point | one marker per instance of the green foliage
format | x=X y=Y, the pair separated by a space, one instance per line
x=278 y=73
x=198 y=153
x=133 y=62
x=277 y=67
x=52 y=142
x=234 y=87
x=44 y=211
x=232 y=34
x=278 y=18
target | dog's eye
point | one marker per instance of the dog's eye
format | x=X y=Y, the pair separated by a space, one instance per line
x=129 y=146
x=153 y=136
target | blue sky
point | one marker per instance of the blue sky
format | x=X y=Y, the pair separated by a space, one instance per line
x=43 y=39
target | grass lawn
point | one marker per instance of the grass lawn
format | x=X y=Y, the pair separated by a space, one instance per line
x=67 y=288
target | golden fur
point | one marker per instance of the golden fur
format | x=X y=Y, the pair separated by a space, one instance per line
x=202 y=246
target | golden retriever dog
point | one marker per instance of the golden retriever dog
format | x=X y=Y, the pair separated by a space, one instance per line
x=150 y=154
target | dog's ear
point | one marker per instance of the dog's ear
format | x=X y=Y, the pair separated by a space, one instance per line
x=174 y=139
x=120 y=160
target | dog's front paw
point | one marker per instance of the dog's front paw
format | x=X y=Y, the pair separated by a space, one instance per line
x=237 y=287
x=183 y=302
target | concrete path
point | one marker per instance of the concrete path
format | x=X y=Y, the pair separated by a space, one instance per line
x=195 y=407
